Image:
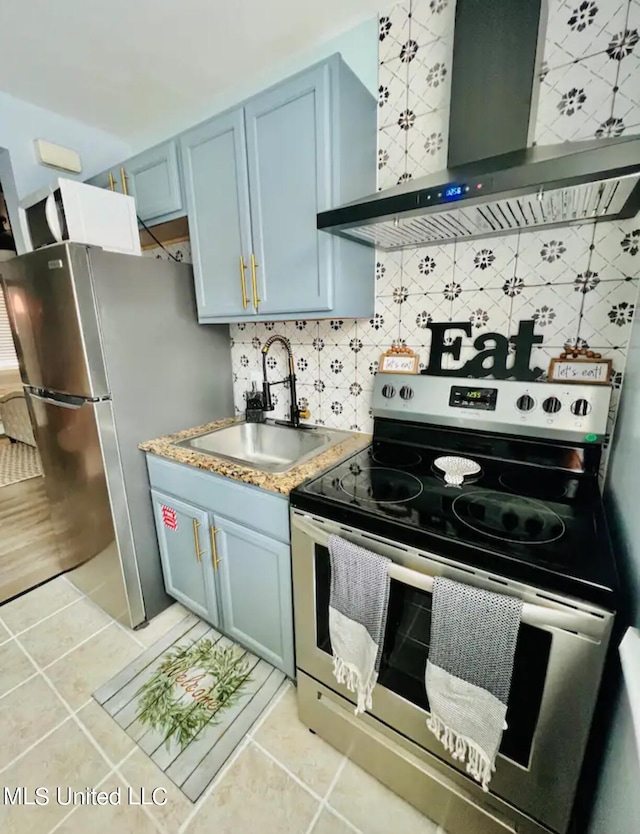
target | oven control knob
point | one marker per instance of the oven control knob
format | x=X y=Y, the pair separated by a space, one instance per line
x=525 y=403
x=581 y=408
x=388 y=391
x=406 y=393
x=551 y=405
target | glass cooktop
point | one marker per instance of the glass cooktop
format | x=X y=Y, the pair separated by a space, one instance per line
x=545 y=521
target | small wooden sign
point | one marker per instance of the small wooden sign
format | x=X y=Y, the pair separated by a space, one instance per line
x=580 y=369
x=400 y=360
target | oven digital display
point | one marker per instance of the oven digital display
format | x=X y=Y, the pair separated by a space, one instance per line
x=483 y=399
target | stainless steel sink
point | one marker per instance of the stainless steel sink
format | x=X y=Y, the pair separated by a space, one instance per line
x=266 y=446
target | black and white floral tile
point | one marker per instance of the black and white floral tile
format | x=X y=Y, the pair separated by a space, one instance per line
x=578 y=283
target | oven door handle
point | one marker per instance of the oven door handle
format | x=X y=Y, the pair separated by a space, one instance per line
x=539 y=616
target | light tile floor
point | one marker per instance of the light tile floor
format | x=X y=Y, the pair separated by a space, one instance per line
x=57 y=647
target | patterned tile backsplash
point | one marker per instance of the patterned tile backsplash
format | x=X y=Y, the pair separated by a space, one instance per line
x=579 y=284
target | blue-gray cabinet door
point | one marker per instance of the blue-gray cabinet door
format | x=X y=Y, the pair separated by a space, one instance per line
x=216 y=181
x=186 y=555
x=153 y=179
x=107 y=179
x=254 y=579
x=290 y=176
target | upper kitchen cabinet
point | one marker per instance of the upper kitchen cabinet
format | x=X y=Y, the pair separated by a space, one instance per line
x=217 y=190
x=255 y=179
x=288 y=147
x=153 y=178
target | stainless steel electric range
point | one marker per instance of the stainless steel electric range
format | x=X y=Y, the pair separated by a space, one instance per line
x=527 y=519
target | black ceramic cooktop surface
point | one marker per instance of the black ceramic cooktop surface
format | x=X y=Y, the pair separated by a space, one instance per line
x=539 y=525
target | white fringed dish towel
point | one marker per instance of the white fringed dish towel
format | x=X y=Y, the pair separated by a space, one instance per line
x=358 y=605
x=468 y=677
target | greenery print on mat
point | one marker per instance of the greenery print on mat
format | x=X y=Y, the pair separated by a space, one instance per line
x=190 y=689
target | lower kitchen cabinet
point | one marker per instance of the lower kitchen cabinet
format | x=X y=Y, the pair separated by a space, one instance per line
x=226 y=556
x=185 y=551
x=254 y=575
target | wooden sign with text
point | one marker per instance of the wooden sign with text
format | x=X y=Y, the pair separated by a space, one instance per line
x=399 y=360
x=579 y=371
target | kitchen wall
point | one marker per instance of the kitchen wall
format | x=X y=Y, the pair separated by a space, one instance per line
x=578 y=284
x=357 y=46
x=622 y=488
x=20 y=172
x=21 y=123
x=617 y=807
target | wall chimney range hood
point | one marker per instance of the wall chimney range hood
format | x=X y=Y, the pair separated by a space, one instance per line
x=495 y=183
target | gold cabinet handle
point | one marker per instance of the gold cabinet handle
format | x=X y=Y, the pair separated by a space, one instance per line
x=214 y=550
x=112 y=182
x=243 y=286
x=124 y=178
x=196 y=541
x=254 y=282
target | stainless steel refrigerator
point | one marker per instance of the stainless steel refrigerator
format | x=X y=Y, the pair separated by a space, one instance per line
x=111 y=354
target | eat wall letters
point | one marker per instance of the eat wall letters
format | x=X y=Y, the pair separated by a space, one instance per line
x=493 y=357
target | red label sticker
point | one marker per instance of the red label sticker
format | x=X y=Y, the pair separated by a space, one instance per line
x=170 y=518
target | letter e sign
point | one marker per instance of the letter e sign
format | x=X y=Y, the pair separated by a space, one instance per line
x=169 y=518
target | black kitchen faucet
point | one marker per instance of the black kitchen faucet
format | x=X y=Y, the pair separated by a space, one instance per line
x=295 y=412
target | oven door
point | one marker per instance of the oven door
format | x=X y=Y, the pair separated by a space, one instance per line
x=557 y=668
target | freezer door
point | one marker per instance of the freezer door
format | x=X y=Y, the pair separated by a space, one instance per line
x=53 y=317
x=68 y=439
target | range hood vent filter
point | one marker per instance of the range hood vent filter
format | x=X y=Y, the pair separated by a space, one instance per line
x=590 y=201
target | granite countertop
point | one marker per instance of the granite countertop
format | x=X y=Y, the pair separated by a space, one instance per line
x=275 y=482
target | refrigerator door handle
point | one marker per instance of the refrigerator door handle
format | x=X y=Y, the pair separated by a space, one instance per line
x=73 y=403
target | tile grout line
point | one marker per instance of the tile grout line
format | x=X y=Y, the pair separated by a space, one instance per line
x=214 y=784
x=325 y=806
x=97 y=607
x=43 y=620
x=326 y=803
x=289 y=773
x=268 y=710
x=35 y=744
x=68 y=652
x=18 y=685
x=323 y=801
x=159 y=825
x=221 y=773
x=74 y=717
x=61 y=822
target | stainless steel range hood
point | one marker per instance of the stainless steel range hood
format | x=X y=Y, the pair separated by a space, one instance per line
x=495 y=184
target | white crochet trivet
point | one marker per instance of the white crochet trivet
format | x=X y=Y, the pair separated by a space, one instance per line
x=456 y=469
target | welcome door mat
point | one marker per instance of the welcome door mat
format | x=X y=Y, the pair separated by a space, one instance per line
x=189 y=700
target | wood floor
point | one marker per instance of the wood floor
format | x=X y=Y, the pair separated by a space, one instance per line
x=28 y=551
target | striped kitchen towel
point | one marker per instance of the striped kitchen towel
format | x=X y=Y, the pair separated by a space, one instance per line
x=358 y=603
x=468 y=677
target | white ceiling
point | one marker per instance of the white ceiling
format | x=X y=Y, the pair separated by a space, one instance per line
x=124 y=64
